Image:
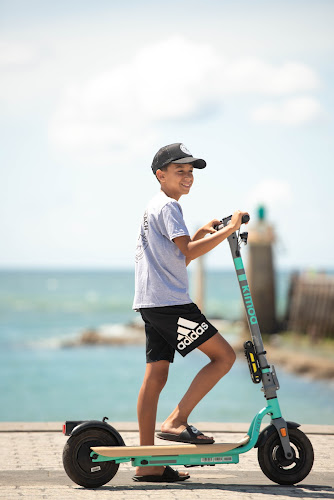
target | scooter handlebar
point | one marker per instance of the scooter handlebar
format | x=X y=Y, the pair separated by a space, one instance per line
x=226 y=220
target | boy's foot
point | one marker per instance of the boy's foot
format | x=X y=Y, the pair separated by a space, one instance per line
x=167 y=475
x=183 y=433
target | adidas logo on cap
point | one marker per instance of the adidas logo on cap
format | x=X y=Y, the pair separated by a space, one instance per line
x=189 y=331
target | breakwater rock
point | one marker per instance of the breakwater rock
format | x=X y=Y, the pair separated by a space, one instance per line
x=108 y=335
x=311 y=361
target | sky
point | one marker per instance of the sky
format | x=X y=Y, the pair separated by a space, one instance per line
x=89 y=91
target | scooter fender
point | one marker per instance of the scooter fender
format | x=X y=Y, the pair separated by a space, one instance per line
x=97 y=424
x=263 y=436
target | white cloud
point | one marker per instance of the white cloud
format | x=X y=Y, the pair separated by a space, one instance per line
x=164 y=81
x=294 y=111
x=174 y=79
x=256 y=76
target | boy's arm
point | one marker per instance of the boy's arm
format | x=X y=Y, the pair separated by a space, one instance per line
x=203 y=231
x=198 y=245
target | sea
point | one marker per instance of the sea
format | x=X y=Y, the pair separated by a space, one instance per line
x=42 y=380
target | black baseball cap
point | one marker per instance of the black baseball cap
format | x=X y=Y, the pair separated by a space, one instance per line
x=175 y=153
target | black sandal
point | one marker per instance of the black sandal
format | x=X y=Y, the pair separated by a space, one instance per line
x=188 y=435
x=169 y=476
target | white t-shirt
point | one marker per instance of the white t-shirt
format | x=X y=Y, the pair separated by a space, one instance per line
x=161 y=275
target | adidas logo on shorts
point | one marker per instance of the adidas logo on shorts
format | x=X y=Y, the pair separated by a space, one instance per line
x=189 y=331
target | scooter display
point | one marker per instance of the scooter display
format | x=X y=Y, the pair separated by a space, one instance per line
x=95 y=449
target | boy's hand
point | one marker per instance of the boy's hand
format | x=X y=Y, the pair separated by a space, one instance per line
x=198 y=245
x=236 y=220
x=210 y=226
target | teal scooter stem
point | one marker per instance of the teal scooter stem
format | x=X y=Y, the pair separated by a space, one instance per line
x=95 y=449
x=269 y=378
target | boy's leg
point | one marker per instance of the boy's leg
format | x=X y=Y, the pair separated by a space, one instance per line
x=155 y=378
x=222 y=358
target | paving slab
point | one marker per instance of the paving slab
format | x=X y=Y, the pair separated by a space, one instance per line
x=32 y=468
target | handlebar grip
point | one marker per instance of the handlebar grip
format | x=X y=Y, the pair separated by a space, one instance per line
x=245 y=219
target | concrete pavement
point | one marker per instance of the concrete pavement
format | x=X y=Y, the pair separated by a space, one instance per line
x=31 y=468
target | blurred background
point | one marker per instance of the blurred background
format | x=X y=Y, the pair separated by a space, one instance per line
x=89 y=92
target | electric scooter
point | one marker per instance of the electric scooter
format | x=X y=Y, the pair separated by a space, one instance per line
x=95 y=449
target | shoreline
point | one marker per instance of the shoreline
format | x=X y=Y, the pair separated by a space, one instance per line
x=132 y=426
x=292 y=352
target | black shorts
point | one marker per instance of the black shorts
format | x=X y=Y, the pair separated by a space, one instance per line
x=174 y=328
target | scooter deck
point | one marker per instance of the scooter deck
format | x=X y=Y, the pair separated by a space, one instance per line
x=163 y=450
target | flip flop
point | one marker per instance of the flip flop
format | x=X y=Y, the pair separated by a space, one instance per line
x=188 y=435
x=169 y=476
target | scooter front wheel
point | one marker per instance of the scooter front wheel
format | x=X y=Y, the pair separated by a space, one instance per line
x=281 y=470
x=77 y=461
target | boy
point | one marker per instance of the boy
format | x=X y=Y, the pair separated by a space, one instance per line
x=172 y=321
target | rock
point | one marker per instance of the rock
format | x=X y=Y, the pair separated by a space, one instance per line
x=92 y=336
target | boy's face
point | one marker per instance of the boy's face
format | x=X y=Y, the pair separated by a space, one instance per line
x=177 y=179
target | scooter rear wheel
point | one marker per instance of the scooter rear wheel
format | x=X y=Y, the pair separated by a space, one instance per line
x=274 y=464
x=78 y=463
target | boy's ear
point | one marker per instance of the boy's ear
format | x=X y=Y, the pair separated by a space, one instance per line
x=160 y=175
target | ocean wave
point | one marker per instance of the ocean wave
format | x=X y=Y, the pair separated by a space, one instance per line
x=89 y=303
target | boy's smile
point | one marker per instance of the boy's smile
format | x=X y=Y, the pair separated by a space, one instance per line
x=177 y=179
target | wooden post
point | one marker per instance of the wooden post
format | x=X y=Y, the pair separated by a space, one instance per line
x=260 y=272
x=199 y=283
x=311 y=305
